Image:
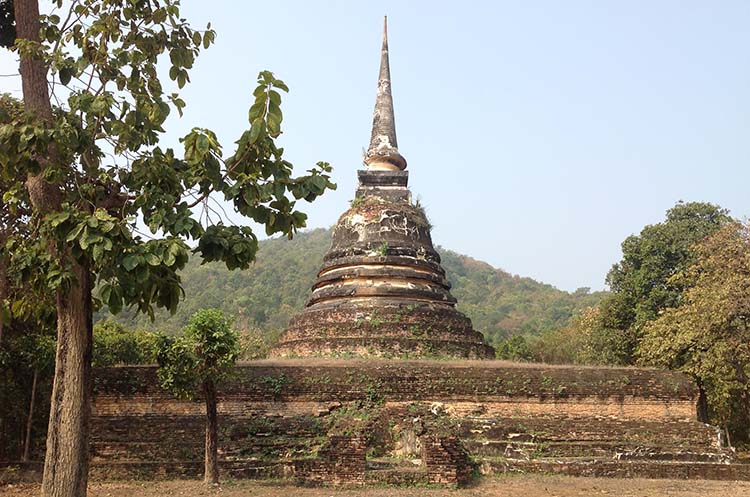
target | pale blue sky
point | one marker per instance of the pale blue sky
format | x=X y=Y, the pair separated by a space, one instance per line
x=539 y=134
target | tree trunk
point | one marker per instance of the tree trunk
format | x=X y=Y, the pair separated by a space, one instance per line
x=66 y=462
x=702 y=407
x=212 y=466
x=3 y=287
x=29 y=421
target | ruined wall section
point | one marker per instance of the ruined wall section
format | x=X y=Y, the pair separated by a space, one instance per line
x=574 y=389
x=279 y=419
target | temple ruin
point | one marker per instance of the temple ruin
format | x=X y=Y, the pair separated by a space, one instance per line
x=381 y=290
x=382 y=293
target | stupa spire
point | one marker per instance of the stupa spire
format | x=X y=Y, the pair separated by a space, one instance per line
x=383 y=151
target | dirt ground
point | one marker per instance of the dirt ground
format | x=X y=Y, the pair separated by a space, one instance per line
x=511 y=486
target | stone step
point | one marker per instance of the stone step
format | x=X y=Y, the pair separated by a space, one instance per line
x=186 y=429
x=156 y=470
x=383 y=463
x=268 y=448
x=549 y=428
x=597 y=449
x=619 y=469
x=401 y=477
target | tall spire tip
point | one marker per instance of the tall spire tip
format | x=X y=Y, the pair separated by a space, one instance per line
x=383 y=151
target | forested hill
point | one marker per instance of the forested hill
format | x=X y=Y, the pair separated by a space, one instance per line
x=278 y=284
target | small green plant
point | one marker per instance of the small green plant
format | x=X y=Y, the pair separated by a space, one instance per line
x=375 y=320
x=275 y=384
x=373 y=394
x=352 y=418
x=382 y=250
x=357 y=201
x=540 y=450
x=316 y=380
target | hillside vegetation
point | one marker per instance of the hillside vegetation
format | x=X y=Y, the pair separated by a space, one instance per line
x=277 y=285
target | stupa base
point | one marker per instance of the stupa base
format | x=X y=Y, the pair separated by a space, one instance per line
x=382 y=328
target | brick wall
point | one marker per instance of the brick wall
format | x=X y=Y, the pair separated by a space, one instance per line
x=276 y=420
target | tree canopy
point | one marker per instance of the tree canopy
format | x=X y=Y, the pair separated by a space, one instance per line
x=111 y=172
x=642 y=283
x=707 y=335
x=206 y=349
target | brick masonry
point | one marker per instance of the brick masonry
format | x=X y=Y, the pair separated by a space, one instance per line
x=356 y=421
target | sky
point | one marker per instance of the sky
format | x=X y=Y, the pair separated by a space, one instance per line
x=538 y=135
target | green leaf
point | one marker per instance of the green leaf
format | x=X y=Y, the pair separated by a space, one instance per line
x=75 y=232
x=105 y=291
x=114 y=302
x=274 y=124
x=153 y=259
x=66 y=74
x=130 y=262
x=255 y=130
x=102 y=215
x=208 y=38
x=57 y=218
x=201 y=143
x=280 y=85
x=320 y=183
x=274 y=97
x=256 y=111
x=5 y=315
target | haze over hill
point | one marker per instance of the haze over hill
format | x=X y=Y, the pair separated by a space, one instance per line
x=277 y=285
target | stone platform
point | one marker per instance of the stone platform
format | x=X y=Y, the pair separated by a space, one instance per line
x=411 y=422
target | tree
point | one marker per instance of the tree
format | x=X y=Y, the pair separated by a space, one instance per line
x=39 y=354
x=707 y=334
x=114 y=344
x=515 y=348
x=93 y=169
x=15 y=211
x=27 y=318
x=26 y=363
x=642 y=283
x=202 y=356
x=568 y=345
